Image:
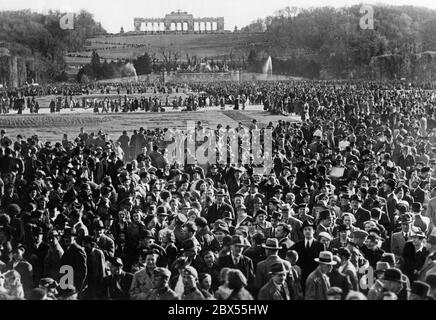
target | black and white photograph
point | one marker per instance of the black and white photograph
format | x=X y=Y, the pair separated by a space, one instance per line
x=232 y=150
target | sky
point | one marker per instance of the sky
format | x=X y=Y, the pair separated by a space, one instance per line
x=114 y=14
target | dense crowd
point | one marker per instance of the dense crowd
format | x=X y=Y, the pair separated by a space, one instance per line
x=347 y=212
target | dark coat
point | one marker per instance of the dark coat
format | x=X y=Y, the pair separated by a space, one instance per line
x=214 y=213
x=96 y=272
x=340 y=280
x=52 y=262
x=413 y=261
x=75 y=256
x=306 y=260
x=36 y=257
x=361 y=216
x=116 y=287
x=255 y=253
x=373 y=256
x=418 y=195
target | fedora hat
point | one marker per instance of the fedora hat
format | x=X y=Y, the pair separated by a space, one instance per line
x=221 y=228
x=420 y=289
x=272 y=244
x=324 y=214
x=277 y=268
x=326 y=257
x=306 y=224
x=238 y=241
x=393 y=274
x=419 y=234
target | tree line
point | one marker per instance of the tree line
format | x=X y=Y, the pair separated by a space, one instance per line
x=39 y=39
x=336 y=41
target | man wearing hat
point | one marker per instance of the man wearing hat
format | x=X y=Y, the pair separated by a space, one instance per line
x=324 y=222
x=276 y=288
x=391 y=282
x=96 y=268
x=376 y=290
x=219 y=232
x=263 y=268
x=419 y=291
x=414 y=255
x=236 y=260
x=36 y=252
x=416 y=192
x=161 y=290
x=399 y=239
x=116 y=286
x=256 y=252
x=359 y=213
x=308 y=249
x=317 y=283
x=104 y=243
x=216 y=210
x=190 y=284
x=74 y=256
x=53 y=258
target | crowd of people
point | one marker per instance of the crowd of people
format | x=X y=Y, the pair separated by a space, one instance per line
x=348 y=211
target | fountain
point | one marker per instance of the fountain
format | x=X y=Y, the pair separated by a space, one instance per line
x=267 y=68
x=130 y=71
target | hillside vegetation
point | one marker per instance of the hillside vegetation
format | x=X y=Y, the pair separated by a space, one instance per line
x=39 y=39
